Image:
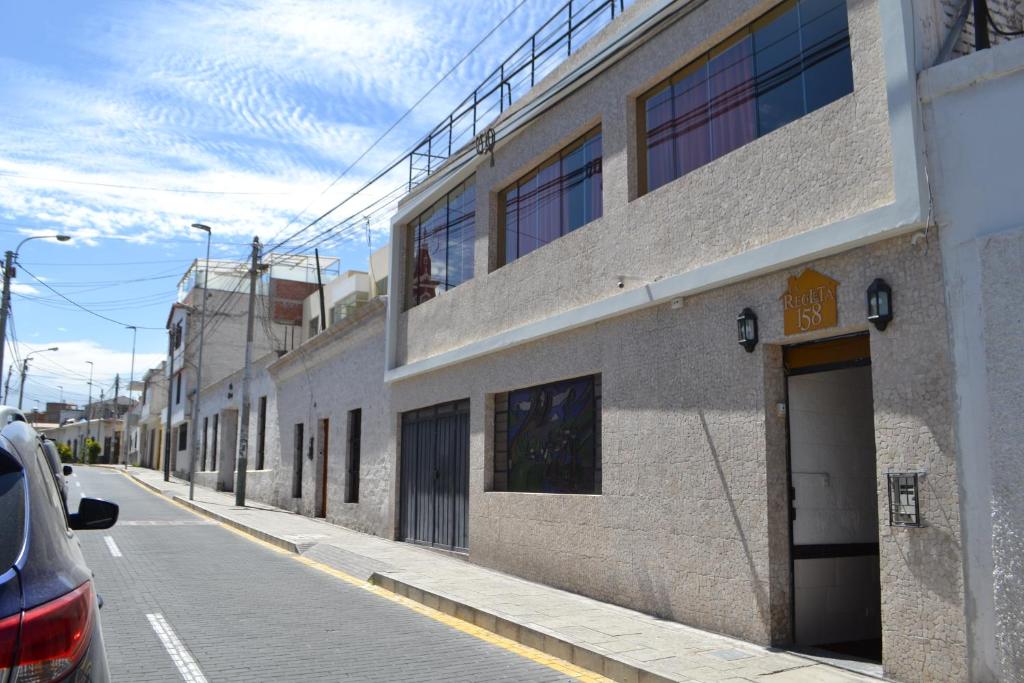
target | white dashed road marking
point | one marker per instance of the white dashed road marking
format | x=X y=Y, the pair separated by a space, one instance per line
x=179 y=655
x=114 y=550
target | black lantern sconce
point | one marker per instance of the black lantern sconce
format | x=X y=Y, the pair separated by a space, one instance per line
x=879 y=304
x=904 y=498
x=746 y=327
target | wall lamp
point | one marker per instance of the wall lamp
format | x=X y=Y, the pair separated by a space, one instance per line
x=746 y=326
x=879 y=304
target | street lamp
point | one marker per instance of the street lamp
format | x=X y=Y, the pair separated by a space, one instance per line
x=5 y=302
x=88 y=406
x=194 y=444
x=24 y=371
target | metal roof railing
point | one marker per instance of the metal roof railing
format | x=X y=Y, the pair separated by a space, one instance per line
x=567 y=30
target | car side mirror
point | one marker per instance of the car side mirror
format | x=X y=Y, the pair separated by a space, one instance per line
x=67 y=470
x=94 y=514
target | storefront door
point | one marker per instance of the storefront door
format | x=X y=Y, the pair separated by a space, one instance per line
x=833 y=480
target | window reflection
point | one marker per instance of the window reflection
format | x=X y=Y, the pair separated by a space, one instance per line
x=441 y=245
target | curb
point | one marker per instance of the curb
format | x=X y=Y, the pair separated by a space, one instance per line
x=282 y=543
x=590 y=658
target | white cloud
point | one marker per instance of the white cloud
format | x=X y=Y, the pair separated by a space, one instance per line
x=22 y=288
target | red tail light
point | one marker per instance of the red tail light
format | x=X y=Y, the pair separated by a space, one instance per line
x=9 y=627
x=54 y=636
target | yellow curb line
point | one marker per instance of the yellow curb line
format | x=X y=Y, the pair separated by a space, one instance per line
x=534 y=655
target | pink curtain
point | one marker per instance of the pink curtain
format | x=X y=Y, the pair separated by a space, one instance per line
x=691 y=129
x=733 y=101
x=660 y=167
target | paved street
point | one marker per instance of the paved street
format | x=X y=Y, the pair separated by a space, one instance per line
x=229 y=609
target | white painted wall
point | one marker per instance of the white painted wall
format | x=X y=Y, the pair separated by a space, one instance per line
x=973 y=126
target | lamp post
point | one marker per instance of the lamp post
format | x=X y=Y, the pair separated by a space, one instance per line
x=5 y=303
x=194 y=432
x=25 y=373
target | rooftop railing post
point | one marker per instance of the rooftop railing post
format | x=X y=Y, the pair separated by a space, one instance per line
x=474 y=113
x=501 y=90
x=430 y=151
x=533 y=57
x=410 y=171
x=451 y=125
x=569 y=34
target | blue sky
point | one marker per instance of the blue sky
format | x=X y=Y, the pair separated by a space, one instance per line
x=125 y=122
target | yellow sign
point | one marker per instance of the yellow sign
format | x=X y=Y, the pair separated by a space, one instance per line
x=809 y=303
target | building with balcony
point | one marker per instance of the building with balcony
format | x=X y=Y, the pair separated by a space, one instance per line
x=695 y=330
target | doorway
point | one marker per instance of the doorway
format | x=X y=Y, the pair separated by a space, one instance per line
x=324 y=428
x=434 y=496
x=833 y=498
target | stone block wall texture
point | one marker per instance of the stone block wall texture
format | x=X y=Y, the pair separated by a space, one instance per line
x=1007 y=14
x=683 y=527
x=339 y=370
x=829 y=165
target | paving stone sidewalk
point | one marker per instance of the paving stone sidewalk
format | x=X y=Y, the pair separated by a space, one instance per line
x=621 y=644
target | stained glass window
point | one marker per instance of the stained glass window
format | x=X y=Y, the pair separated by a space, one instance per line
x=441 y=245
x=547 y=438
x=791 y=61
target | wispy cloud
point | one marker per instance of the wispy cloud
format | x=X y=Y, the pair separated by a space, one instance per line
x=237 y=96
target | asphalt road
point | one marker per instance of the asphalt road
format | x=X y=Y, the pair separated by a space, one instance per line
x=186 y=599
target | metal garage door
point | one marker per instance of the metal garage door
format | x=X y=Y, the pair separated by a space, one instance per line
x=435 y=476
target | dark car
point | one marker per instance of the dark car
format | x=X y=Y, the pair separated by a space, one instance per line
x=49 y=611
x=60 y=470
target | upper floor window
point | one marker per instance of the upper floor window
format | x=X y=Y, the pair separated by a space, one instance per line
x=791 y=61
x=554 y=199
x=441 y=245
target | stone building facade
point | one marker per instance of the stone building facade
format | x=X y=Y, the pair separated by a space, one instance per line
x=771 y=395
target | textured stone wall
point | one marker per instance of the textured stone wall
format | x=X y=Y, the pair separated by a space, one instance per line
x=831 y=164
x=337 y=371
x=1007 y=14
x=690 y=524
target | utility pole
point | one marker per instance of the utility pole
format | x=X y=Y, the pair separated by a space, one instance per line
x=5 y=302
x=117 y=389
x=7 y=384
x=242 y=462
x=194 y=431
x=170 y=396
x=99 y=428
x=21 y=387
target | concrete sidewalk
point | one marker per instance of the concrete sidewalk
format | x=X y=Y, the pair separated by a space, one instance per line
x=621 y=644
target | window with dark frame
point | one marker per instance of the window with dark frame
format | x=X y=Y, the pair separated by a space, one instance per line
x=177 y=389
x=213 y=451
x=261 y=433
x=206 y=425
x=355 y=434
x=793 y=60
x=547 y=438
x=182 y=436
x=298 y=444
x=557 y=197
x=440 y=243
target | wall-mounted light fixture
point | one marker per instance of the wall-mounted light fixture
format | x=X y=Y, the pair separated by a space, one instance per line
x=879 y=304
x=746 y=327
x=904 y=498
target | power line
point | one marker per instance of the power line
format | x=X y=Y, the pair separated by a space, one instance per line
x=78 y=305
x=381 y=137
x=117 y=186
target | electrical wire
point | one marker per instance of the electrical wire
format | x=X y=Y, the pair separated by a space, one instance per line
x=996 y=27
x=401 y=118
x=80 y=306
x=68 y=181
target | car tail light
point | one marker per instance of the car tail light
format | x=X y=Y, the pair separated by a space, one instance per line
x=54 y=636
x=8 y=641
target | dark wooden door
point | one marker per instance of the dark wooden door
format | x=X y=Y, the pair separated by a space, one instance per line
x=322 y=503
x=434 y=500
